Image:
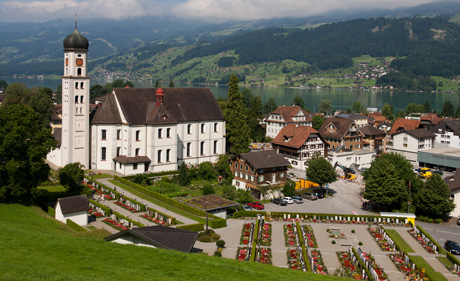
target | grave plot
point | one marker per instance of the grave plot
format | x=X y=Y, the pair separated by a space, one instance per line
x=247 y=233
x=381 y=237
x=294 y=255
x=309 y=236
x=316 y=261
x=243 y=254
x=407 y=268
x=265 y=234
x=158 y=217
x=264 y=255
x=376 y=272
x=295 y=259
x=350 y=265
x=426 y=243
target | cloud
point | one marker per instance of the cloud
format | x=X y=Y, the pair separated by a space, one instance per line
x=44 y=10
x=210 y=10
x=219 y=10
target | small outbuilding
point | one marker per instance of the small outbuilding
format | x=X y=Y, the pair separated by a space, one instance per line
x=74 y=208
x=159 y=236
x=212 y=204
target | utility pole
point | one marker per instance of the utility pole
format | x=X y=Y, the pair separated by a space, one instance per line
x=408 y=202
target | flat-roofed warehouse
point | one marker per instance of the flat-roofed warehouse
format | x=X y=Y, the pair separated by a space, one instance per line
x=443 y=158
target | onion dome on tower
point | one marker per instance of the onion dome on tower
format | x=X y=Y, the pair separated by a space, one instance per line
x=75 y=41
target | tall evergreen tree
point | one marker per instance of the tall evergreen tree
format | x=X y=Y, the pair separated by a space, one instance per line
x=448 y=109
x=433 y=199
x=254 y=116
x=236 y=120
x=387 y=110
x=298 y=101
x=171 y=84
x=183 y=178
x=427 y=107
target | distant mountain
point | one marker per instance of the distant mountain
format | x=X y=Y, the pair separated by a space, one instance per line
x=36 y=48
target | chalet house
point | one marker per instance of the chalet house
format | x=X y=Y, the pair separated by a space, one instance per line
x=136 y=130
x=56 y=117
x=298 y=144
x=374 y=139
x=447 y=133
x=74 y=208
x=253 y=170
x=158 y=236
x=402 y=124
x=376 y=118
x=341 y=133
x=284 y=115
x=360 y=120
x=408 y=143
x=430 y=120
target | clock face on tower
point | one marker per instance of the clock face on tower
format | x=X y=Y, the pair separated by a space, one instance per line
x=79 y=62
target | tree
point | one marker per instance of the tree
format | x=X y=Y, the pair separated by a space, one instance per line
x=244 y=196
x=457 y=112
x=142 y=179
x=3 y=85
x=207 y=172
x=298 y=101
x=411 y=108
x=183 y=177
x=270 y=106
x=171 y=84
x=289 y=188
x=318 y=121
x=247 y=97
x=208 y=189
x=229 y=192
x=387 y=110
x=223 y=168
x=325 y=107
x=357 y=107
x=448 y=109
x=383 y=185
x=57 y=98
x=433 y=200
x=24 y=144
x=320 y=171
x=71 y=175
x=157 y=83
x=427 y=107
x=257 y=132
x=236 y=120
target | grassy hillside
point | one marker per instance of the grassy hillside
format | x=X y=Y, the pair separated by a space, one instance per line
x=36 y=247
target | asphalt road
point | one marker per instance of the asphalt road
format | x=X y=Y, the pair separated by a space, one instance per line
x=442 y=232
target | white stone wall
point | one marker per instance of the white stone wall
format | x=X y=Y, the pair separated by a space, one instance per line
x=80 y=218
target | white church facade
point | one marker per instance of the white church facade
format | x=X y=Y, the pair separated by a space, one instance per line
x=134 y=130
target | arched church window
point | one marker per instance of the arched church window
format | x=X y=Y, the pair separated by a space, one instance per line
x=81 y=85
x=79 y=71
x=81 y=99
x=76 y=99
x=76 y=85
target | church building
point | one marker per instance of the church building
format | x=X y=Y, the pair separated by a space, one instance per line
x=134 y=130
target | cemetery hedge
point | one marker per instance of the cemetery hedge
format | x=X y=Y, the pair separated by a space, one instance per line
x=429 y=271
x=106 y=209
x=75 y=226
x=452 y=258
x=362 y=265
x=440 y=249
x=302 y=243
x=197 y=227
x=138 y=224
x=51 y=212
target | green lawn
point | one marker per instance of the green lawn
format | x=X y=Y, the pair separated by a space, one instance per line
x=52 y=188
x=36 y=247
x=402 y=244
x=429 y=271
x=445 y=261
x=101 y=176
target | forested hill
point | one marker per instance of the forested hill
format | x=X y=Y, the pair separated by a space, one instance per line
x=333 y=45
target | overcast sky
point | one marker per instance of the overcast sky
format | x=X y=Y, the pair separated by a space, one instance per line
x=210 y=10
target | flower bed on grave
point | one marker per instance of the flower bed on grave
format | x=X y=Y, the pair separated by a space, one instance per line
x=378 y=270
x=114 y=224
x=379 y=238
x=407 y=267
x=427 y=244
x=152 y=219
x=350 y=266
x=241 y=253
x=95 y=213
x=318 y=262
x=294 y=261
x=126 y=207
x=266 y=235
x=246 y=234
x=289 y=235
x=310 y=239
x=264 y=255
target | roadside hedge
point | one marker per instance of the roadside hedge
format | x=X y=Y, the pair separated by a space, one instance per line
x=217 y=222
x=106 y=209
x=452 y=258
x=138 y=224
x=51 y=212
x=75 y=226
x=197 y=227
x=440 y=249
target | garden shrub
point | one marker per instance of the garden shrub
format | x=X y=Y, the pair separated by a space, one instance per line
x=438 y=221
x=218 y=223
x=333 y=242
x=360 y=243
x=352 y=231
x=51 y=212
x=220 y=243
x=207 y=172
x=192 y=227
x=215 y=237
x=75 y=226
x=208 y=189
x=209 y=232
x=159 y=174
x=205 y=238
x=217 y=253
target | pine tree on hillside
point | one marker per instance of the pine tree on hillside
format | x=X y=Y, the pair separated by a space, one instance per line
x=236 y=119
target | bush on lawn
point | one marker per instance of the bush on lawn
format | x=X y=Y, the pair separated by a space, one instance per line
x=220 y=243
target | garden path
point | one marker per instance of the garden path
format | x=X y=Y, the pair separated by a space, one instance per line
x=279 y=256
x=231 y=235
x=178 y=217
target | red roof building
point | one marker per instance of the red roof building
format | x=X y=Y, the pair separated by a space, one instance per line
x=284 y=115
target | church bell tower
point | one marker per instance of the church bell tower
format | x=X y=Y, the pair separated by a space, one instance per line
x=75 y=101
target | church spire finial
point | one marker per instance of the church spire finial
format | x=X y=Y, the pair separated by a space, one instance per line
x=75 y=21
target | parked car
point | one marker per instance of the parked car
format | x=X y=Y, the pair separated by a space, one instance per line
x=438 y=172
x=297 y=199
x=247 y=208
x=320 y=195
x=452 y=247
x=458 y=221
x=310 y=196
x=288 y=200
x=279 y=201
x=256 y=205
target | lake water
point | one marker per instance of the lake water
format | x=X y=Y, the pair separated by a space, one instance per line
x=341 y=99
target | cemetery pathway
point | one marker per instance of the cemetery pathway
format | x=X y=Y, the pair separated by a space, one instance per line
x=279 y=250
x=178 y=217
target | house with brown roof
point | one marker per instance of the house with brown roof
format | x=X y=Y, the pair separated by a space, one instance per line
x=376 y=118
x=284 y=115
x=157 y=236
x=403 y=124
x=136 y=130
x=430 y=120
x=409 y=143
x=74 y=208
x=258 y=170
x=341 y=133
x=374 y=139
x=298 y=144
x=447 y=133
x=359 y=119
